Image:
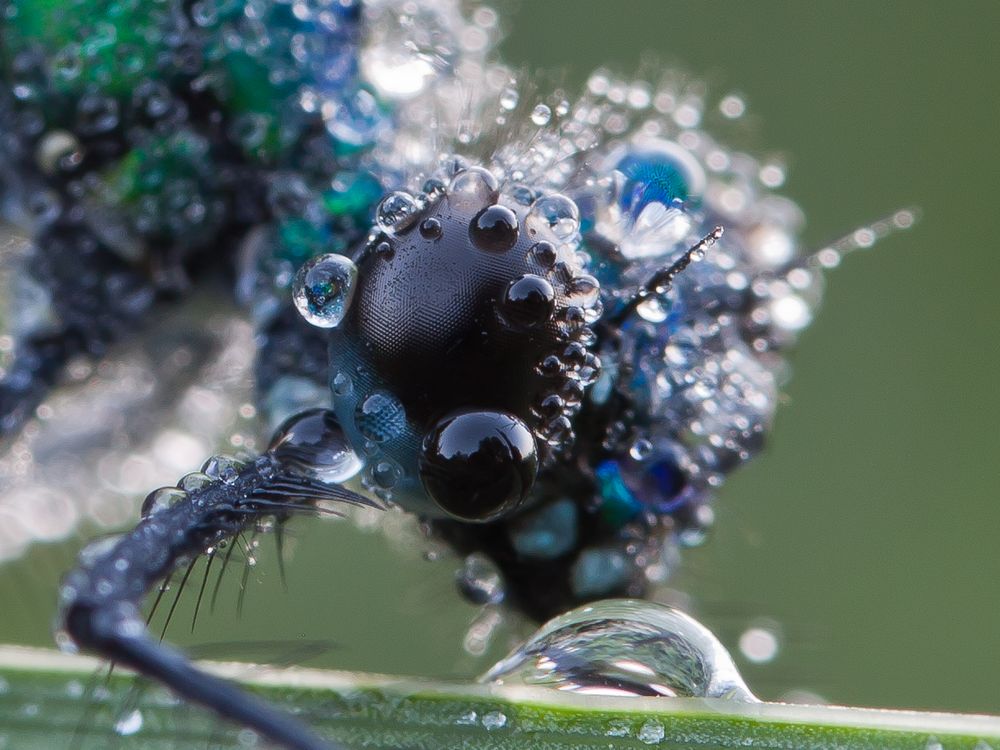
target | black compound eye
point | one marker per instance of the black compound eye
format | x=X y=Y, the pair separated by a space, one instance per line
x=478 y=465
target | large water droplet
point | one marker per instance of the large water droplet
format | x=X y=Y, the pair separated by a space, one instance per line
x=396 y=212
x=473 y=187
x=160 y=500
x=323 y=289
x=313 y=444
x=554 y=214
x=478 y=465
x=628 y=648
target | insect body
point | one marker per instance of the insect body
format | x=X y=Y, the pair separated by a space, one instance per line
x=561 y=329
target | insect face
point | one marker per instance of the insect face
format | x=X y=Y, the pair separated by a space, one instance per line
x=465 y=328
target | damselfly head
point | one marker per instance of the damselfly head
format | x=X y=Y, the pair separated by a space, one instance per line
x=466 y=327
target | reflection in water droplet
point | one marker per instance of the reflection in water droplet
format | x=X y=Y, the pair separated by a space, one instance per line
x=430 y=229
x=544 y=253
x=540 y=114
x=396 y=212
x=509 y=98
x=160 y=500
x=555 y=214
x=494 y=229
x=323 y=289
x=528 y=301
x=313 y=444
x=224 y=468
x=473 y=187
x=624 y=647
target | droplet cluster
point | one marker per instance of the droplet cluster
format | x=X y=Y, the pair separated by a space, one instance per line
x=507 y=355
x=667 y=382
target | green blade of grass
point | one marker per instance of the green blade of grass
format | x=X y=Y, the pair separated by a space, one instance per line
x=50 y=700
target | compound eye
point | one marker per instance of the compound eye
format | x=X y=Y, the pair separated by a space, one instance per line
x=478 y=465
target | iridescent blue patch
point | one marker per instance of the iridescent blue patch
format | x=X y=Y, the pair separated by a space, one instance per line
x=652 y=177
x=660 y=172
x=625 y=490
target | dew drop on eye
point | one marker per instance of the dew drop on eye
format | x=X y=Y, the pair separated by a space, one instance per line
x=624 y=647
x=554 y=215
x=323 y=289
x=396 y=212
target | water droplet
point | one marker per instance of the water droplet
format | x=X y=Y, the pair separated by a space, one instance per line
x=494 y=720
x=541 y=115
x=430 y=229
x=161 y=499
x=396 y=212
x=323 y=289
x=474 y=187
x=380 y=417
x=494 y=229
x=509 y=98
x=641 y=449
x=194 y=481
x=224 y=468
x=313 y=444
x=342 y=384
x=478 y=465
x=528 y=301
x=385 y=474
x=652 y=310
x=651 y=732
x=479 y=580
x=624 y=648
x=584 y=291
x=554 y=214
x=544 y=254
x=129 y=724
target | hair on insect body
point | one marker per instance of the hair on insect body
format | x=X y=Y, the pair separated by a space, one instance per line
x=547 y=328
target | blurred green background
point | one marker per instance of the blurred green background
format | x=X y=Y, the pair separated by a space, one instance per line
x=868 y=531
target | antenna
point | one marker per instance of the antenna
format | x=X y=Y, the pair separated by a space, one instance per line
x=663 y=279
x=862 y=238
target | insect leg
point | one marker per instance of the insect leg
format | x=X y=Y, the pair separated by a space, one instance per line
x=101 y=598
